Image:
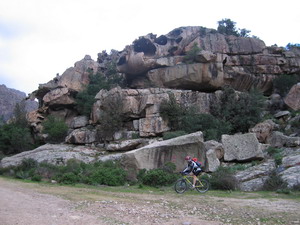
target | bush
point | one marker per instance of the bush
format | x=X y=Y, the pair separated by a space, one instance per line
x=173 y=134
x=192 y=54
x=98 y=81
x=240 y=111
x=274 y=183
x=283 y=83
x=55 y=128
x=158 y=177
x=106 y=173
x=223 y=179
x=276 y=153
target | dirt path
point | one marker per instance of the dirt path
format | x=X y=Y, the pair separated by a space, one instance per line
x=28 y=203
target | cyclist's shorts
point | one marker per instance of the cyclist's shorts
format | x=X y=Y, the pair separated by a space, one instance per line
x=197 y=172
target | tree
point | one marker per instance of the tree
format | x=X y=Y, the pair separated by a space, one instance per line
x=241 y=110
x=110 y=119
x=55 y=128
x=15 y=137
x=227 y=27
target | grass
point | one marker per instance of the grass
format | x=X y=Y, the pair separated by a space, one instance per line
x=90 y=192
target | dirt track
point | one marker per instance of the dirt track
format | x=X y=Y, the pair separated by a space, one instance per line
x=36 y=204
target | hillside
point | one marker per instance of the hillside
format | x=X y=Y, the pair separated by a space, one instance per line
x=9 y=98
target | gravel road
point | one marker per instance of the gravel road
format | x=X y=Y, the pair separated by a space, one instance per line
x=36 y=204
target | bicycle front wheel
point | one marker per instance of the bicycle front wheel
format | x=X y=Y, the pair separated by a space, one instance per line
x=202 y=185
x=180 y=186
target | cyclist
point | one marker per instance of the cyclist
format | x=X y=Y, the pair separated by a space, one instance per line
x=192 y=167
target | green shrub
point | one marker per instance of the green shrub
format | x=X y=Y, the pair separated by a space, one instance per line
x=274 y=182
x=223 y=179
x=104 y=173
x=283 y=83
x=240 y=111
x=173 y=112
x=276 y=153
x=86 y=98
x=68 y=178
x=158 y=177
x=192 y=54
x=55 y=128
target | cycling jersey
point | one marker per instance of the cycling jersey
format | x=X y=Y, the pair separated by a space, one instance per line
x=192 y=167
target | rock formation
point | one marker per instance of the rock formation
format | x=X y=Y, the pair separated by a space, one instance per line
x=155 y=68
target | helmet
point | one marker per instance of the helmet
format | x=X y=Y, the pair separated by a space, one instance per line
x=188 y=157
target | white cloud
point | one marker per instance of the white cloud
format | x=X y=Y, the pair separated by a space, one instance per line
x=47 y=37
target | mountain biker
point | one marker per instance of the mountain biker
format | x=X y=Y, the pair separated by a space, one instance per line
x=192 y=167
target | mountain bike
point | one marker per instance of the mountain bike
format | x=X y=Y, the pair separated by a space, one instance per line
x=186 y=181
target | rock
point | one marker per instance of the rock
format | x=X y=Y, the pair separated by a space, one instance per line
x=152 y=126
x=157 y=154
x=198 y=76
x=78 y=122
x=81 y=136
x=128 y=145
x=142 y=106
x=282 y=114
x=253 y=178
x=278 y=140
x=291 y=160
x=216 y=146
x=253 y=185
x=241 y=147
x=293 y=97
x=212 y=161
x=214 y=154
x=263 y=130
x=291 y=176
x=54 y=154
x=59 y=96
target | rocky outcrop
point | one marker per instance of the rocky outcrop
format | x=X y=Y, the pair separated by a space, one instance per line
x=240 y=62
x=9 y=98
x=142 y=106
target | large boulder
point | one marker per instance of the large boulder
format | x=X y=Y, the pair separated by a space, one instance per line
x=214 y=153
x=82 y=136
x=278 y=140
x=242 y=147
x=263 y=130
x=293 y=97
x=157 y=154
x=53 y=154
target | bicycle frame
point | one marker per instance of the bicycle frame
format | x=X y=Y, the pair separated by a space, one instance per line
x=190 y=183
x=186 y=182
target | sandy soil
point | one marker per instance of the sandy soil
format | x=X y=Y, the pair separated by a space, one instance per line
x=36 y=204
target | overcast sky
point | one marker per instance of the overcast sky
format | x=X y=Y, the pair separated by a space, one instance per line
x=40 y=38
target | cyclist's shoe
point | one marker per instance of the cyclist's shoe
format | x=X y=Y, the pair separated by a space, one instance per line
x=193 y=187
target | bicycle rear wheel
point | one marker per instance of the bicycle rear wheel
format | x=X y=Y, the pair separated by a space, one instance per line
x=202 y=186
x=180 y=186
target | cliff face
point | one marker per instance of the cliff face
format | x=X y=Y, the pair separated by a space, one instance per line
x=9 y=98
x=155 y=66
